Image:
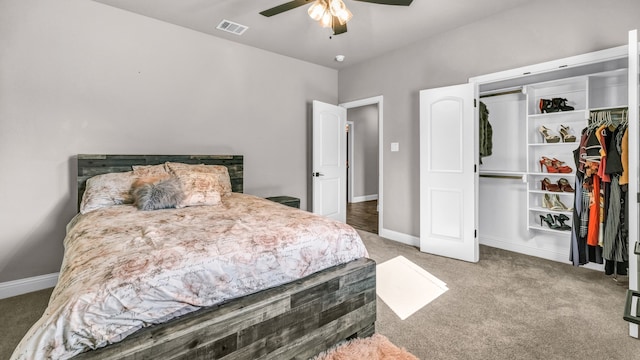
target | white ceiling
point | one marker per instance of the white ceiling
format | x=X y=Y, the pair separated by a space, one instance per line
x=375 y=29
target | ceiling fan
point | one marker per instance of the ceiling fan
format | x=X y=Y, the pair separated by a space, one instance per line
x=329 y=13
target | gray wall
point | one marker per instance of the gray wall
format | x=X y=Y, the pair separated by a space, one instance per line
x=78 y=76
x=365 y=149
x=540 y=31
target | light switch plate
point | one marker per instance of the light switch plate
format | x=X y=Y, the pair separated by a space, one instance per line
x=395 y=146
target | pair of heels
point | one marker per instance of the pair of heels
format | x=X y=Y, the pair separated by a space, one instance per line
x=563 y=185
x=552 y=202
x=554 y=166
x=555 y=222
x=554 y=105
x=566 y=136
x=552 y=138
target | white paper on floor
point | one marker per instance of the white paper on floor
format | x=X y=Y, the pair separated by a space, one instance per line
x=406 y=287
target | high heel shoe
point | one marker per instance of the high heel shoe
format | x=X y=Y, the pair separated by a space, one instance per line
x=554 y=166
x=564 y=185
x=546 y=201
x=546 y=106
x=560 y=219
x=549 y=220
x=560 y=104
x=548 y=163
x=550 y=138
x=560 y=167
x=566 y=137
x=547 y=185
x=557 y=205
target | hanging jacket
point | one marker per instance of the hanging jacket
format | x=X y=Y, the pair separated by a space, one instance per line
x=485 y=132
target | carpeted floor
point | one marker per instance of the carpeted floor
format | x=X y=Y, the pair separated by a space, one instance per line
x=507 y=306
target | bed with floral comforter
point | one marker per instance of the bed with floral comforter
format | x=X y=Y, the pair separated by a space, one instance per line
x=125 y=269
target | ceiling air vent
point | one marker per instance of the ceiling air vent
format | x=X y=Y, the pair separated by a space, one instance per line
x=230 y=26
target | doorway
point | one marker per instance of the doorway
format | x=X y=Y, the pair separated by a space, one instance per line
x=364 y=164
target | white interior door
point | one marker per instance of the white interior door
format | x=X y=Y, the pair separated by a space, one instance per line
x=448 y=181
x=329 y=161
x=634 y=141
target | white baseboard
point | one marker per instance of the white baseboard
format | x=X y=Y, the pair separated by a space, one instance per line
x=400 y=237
x=357 y=199
x=23 y=286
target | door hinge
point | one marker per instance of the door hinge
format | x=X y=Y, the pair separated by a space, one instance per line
x=475 y=104
x=638 y=197
x=475 y=233
x=475 y=168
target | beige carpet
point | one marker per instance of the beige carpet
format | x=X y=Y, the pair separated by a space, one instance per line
x=376 y=347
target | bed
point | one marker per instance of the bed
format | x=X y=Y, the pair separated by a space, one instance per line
x=314 y=304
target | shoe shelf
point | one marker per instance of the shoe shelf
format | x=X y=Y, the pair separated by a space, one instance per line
x=557 y=115
x=537 y=191
x=538 y=227
x=546 y=210
x=560 y=144
x=542 y=175
x=557 y=112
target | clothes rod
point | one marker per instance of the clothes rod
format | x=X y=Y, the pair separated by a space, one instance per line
x=507 y=92
x=615 y=110
x=514 y=177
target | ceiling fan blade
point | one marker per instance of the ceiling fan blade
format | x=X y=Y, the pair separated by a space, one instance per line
x=389 y=2
x=284 y=7
x=337 y=28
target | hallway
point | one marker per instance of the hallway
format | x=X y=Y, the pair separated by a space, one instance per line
x=363 y=215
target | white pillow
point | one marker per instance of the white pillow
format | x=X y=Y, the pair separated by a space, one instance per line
x=107 y=190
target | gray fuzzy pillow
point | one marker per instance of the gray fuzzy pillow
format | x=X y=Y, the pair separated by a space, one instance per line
x=161 y=194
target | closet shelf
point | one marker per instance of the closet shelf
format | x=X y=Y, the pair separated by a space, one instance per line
x=551 y=192
x=610 y=108
x=578 y=112
x=575 y=144
x=537 y=173
x=542 y=228
x=546 y=210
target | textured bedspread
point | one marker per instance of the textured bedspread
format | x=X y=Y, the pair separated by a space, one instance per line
x=125 y=269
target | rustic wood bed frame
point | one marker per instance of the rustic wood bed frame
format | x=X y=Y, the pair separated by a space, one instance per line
x=292 y=321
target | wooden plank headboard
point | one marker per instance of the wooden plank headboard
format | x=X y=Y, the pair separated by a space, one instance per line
x=95 y=164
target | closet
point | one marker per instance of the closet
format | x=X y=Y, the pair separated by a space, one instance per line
x=523 y=189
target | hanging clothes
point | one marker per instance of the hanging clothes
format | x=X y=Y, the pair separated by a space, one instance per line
x=578 y=253
x=600 y=223
x=594 y=213
x=485 y=132
x=614 y=239
x=624 y=154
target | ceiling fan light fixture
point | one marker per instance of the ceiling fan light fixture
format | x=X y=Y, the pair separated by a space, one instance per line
x=327 y=19
x=328 y=13
x=324 y=11
x=335 y=6
x=344 y=15
x=339 y=10
x=317 y=9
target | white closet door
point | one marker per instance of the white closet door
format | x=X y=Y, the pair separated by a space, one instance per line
x=633 y=166
x=448 y=181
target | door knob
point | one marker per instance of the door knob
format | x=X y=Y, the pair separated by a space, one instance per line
x=317 y=174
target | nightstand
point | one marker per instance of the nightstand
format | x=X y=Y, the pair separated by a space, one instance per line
x=286 y=200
